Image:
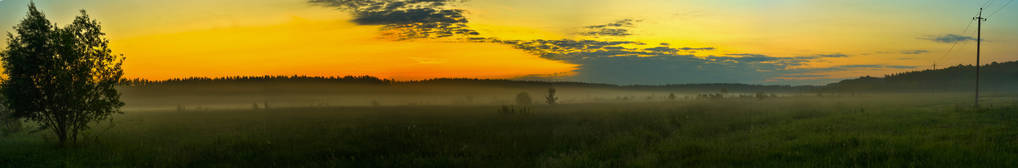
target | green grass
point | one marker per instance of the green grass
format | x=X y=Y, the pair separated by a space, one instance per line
x=892 y=131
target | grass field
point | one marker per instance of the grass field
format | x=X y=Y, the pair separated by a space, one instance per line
x=857 y=131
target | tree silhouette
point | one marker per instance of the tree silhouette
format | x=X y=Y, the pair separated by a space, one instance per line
x=551 y=99
x=61 y=78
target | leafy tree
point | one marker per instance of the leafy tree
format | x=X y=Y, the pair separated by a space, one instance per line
x=551 y=99
x=61 y=78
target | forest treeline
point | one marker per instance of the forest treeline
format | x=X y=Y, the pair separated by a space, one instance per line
x=995 y=77
x=502 y=83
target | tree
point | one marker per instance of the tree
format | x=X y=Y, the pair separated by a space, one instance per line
x=523 y=99
x=61 y=78
x=671 y=96
x=551 y=99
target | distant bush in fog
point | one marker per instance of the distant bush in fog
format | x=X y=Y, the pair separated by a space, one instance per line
x=523 y=99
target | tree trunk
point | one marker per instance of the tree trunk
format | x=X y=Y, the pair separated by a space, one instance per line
x=74 y=136
x=61 y=131
x=61 y=137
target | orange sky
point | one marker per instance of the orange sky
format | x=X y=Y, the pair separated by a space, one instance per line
x=321 y=48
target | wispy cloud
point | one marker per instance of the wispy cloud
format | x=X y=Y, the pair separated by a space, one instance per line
x=914 y=52
x=618 y=28
x=948 y=38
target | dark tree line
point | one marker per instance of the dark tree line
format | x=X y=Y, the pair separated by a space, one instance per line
x=994 y=77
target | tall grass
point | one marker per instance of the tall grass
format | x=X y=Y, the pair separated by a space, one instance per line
x=873 y=131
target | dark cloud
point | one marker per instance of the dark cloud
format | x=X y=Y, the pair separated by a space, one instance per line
x=614 y=62
x=744 y=58
x=914 y=52
x=618 y=62
x=406 y=19
x=603 y=61
x=618 y=28
x=618 y=23
x=783 y=61
x=608 y=33
x=662 y=49
x=835 y=55
x=949 y=38
x=560 y=49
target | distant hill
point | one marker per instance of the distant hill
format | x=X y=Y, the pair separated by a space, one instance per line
x=994 y=77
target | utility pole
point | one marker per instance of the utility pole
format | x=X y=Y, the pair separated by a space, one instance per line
x=979 y=40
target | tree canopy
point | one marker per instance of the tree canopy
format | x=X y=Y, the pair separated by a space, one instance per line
x=62 y=78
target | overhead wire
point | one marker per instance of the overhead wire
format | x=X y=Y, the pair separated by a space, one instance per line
x=963 y=32
x=1001 y=8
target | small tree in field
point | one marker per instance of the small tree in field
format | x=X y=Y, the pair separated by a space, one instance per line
x=61 y=78
x=551 y=99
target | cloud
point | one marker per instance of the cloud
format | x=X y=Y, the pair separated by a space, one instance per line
x=618 y=28
x=835 y=55
x=783 y=61
x=744 y=58
x=664 y=49
x=602 y=61
x=626 y=62
x=618 y=23
x=406 y=19
x=949 y=38
x=914 y=52
x=618 y=62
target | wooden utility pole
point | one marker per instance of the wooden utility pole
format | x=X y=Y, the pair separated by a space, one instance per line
x=979 y=40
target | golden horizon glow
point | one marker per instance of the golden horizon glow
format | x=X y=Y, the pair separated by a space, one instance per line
x=319 y=48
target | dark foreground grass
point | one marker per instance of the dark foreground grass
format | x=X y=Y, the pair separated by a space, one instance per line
x=789 y=132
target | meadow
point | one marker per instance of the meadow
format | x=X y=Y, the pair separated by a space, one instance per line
x=864 y=130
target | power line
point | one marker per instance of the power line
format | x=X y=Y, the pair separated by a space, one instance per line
x=963 y=32
x=987 y=4
x=1001 y=8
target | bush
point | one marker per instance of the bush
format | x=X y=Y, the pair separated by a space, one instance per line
x=8 y=124
x=523 y=99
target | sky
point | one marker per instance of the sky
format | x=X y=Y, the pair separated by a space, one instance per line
x=787 y=42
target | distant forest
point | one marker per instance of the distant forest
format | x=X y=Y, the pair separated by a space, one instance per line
x=994 y=77
x=503 y=83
